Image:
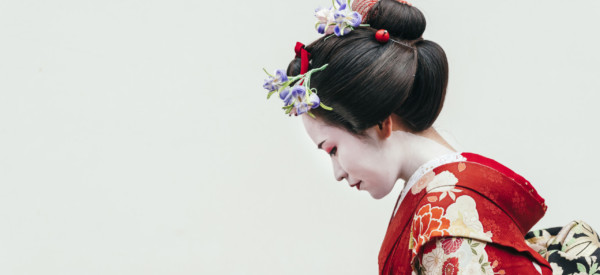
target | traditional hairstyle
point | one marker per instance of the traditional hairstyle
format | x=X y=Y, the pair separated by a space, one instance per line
x=366 y=81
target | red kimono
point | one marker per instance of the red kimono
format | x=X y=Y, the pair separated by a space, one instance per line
x=464 y=214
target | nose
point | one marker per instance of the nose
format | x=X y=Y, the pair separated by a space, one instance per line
x=338 y=172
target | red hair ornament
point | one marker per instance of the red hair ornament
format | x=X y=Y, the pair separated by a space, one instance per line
x=382 y=36
x=364 y=6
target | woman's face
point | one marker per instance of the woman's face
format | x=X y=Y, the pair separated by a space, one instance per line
x=363 y=162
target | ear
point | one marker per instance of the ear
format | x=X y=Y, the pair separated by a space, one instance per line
x=385 y=129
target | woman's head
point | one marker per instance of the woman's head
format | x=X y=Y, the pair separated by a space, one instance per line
x=376 y=159
x=385 y=97
x=368 y=162
x=367 y=81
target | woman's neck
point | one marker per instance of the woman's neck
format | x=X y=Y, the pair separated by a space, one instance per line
x=415 y=149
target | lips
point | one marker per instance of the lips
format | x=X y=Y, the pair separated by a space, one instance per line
x=357 y=185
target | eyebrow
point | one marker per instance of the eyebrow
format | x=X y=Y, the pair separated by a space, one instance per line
x=321 y=144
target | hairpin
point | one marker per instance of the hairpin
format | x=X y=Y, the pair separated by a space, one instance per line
x=300 y=98
x=338 y=19
x=382 y=36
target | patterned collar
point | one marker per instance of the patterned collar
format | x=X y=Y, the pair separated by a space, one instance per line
x=426 y=168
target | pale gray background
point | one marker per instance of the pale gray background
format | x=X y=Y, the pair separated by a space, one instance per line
x=135 y=137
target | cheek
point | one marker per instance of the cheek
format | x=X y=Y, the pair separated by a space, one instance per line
x=361 y=163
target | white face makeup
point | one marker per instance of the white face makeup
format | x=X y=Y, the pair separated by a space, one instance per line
x=364 y=163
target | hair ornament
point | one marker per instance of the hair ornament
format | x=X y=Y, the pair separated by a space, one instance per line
x=339 y=19
x=382 y=36
x=300 y=98
x=304 y=56
x=363 y=7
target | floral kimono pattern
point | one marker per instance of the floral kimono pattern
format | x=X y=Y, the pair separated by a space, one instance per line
x=465 y=217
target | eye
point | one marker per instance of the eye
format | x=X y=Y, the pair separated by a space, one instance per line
x=333 y=151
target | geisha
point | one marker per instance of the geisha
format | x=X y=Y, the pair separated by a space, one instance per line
x=368 y=93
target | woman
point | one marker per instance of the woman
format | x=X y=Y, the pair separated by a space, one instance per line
x=380 y=89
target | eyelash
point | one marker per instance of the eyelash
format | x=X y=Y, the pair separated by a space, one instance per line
x=333 y=151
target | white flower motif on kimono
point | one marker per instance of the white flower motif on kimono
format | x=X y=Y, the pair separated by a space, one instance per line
x=458 y=256
x=475 y=268
x=478 y=263
x=568 y=256
x=444 y=182
x=433 y=261
x=464 y=220
x=422 y=183
x=556 y=269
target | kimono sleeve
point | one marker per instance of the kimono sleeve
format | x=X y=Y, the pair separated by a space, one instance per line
x=455 y=226
x=455 y=255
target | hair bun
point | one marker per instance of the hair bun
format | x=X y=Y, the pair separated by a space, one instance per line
x=399 y=19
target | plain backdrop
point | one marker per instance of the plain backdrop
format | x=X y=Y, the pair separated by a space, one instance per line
x=135 y=136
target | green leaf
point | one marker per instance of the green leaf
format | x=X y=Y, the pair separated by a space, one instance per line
x=594 y=268
x=311 y=115
x=474 y=252
x=475 y=245
x=270 y=94
x=581 y=268
x=481 y=259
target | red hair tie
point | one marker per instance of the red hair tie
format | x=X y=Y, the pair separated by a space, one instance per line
x=304 y=57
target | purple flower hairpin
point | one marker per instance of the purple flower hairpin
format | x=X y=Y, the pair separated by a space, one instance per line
x=295 y=92
x=298 y=99
x=338 y=19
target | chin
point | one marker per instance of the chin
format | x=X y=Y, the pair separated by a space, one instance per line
x=381 y=192
x=378 y=196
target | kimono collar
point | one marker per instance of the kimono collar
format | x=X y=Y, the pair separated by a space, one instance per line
x=426 y=168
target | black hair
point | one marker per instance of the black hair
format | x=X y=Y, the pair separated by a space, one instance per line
x=367 y=81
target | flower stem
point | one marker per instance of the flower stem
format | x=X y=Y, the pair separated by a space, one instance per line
x=267 y=72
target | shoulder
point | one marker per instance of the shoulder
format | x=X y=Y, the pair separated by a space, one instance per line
x=475 y=200
x=485 y=179
x=451 y=212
